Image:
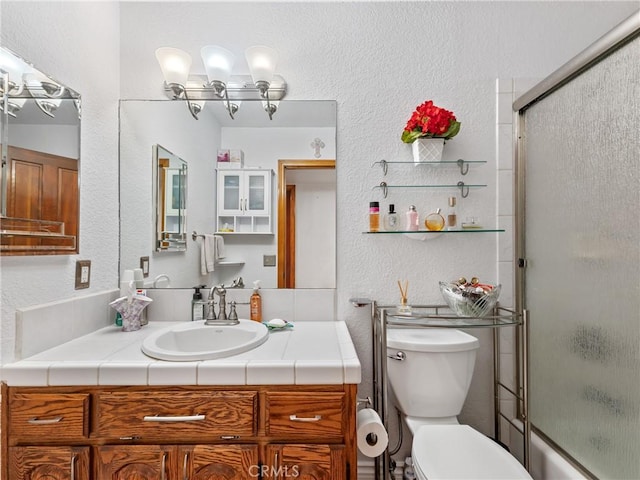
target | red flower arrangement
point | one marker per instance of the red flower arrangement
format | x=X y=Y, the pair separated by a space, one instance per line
x=430 y=121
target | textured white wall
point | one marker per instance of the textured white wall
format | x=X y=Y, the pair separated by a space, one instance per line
x=378 y=60
x=77 y=43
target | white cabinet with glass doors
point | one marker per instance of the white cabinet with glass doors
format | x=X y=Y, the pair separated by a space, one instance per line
x=244 y=201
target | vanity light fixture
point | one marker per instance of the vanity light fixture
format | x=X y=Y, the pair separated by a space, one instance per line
x=219 y=84
x=21 y=81
x=175 y=65
x=45 y=92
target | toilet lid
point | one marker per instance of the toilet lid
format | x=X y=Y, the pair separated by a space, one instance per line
x=448 y=452
x=431 y=340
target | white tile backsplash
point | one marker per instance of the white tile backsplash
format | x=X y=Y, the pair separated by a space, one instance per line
x=41 y=327
x=45 y=326
x=314 y=305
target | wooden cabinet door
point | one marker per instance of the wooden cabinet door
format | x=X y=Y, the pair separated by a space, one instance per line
x=219 y=462
x=305 y=462
x=135 y=462
x=49 y=463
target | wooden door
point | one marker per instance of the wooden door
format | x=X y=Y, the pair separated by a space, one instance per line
x=49 y=463
x=42 y=186
x=135 y=462
x=305 y=462
x=219 y=462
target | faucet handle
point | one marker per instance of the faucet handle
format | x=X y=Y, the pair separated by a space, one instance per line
x=233 y=315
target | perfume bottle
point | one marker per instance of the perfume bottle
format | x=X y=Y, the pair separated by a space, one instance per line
x=412 y=219
x=374 y=216
x=452 y=217
x=391 y=221
x=434 y=221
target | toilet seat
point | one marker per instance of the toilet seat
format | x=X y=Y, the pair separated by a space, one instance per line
x=448 y=452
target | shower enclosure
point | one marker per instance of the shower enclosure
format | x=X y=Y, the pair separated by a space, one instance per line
x=578 y=196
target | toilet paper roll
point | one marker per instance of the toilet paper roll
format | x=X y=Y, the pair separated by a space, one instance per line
x=371 y=435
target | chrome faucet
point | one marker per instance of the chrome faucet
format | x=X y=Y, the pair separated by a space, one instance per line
x=221 y=319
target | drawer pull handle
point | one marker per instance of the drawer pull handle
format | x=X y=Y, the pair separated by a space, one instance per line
x=163 y=466
x=295 y=418
x=73 y=467
x=43 y=421
x=174 y=418
x=185 y=467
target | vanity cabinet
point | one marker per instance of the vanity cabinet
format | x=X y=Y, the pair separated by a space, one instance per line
x=195 y=432
x=195 y=462
x=244 y=201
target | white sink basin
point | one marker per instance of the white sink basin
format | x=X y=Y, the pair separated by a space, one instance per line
x=197 y=341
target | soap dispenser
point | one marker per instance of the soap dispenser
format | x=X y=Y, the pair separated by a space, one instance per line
x=256 y=303
x=198 y=304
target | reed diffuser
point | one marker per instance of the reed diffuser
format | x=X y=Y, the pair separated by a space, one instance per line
x=403 y=307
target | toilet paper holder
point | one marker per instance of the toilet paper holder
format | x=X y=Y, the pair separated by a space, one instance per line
x=366 y=401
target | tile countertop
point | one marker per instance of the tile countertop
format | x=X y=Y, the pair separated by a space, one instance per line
x=310 y=353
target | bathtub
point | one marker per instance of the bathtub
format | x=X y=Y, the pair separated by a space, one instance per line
x=545 y=463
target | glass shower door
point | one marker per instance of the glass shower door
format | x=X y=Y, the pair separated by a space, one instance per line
x=582 y=281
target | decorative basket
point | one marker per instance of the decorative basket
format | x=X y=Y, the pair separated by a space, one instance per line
x=467 y=301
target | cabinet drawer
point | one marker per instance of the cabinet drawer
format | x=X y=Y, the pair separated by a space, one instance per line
x=38 y=417
x=305 y=413
x=176 y=414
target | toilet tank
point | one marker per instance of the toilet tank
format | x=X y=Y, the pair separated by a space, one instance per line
x=433 y=379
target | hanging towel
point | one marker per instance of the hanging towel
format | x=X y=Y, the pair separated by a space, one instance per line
x=219 y=247
x=207 y=253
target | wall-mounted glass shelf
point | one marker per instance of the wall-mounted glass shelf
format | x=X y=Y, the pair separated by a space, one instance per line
x=443 y=316
x=464 y=187
x=437 y=232
x=462 y=164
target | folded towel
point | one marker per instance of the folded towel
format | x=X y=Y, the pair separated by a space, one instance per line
x=219 y=247
x=207 y=254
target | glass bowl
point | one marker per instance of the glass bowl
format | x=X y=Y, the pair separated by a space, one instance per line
x=469 y=301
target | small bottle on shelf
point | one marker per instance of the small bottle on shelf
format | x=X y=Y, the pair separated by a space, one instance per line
x=374 y=216
x=452 y=217
x=391 y=221
x=412 y=219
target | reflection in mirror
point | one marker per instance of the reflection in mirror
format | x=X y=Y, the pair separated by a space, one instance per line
x=171 y=200
x=302 y=130
x=40 y=140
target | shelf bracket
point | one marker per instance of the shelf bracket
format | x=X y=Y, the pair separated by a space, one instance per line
x=385 y=188
x=461 y=164
x=464 y=190
x=384 y=164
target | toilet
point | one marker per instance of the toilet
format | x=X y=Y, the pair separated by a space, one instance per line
x=430 y=385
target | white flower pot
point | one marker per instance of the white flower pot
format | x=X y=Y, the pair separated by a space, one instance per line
x=427 y=150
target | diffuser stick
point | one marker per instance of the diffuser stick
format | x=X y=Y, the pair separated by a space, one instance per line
x=403 y=307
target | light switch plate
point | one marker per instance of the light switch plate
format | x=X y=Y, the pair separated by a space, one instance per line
x=144 y=265
x=83 y=274
x=268 y=260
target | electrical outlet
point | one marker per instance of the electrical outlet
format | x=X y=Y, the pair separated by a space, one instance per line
x=144 y=265
x=83 y=274
x=268 y=260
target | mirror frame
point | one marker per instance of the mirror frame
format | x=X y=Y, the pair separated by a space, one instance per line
x=167 y=240
x=38 y=230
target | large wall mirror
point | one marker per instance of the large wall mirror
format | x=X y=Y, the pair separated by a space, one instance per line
x=40 y=138
x=300 y=133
